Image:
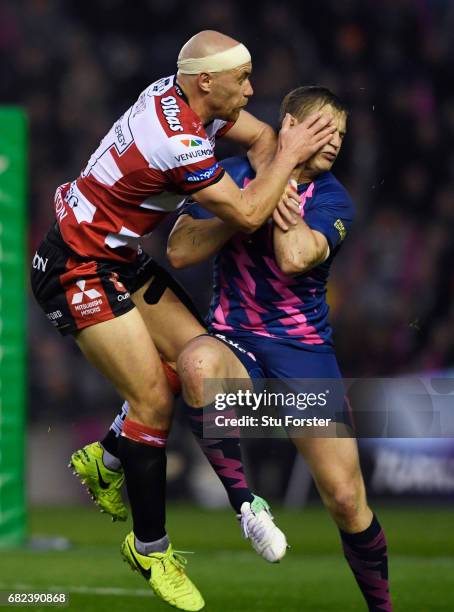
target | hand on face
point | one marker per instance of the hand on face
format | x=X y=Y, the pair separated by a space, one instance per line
x=304 y=139
x=324 y=158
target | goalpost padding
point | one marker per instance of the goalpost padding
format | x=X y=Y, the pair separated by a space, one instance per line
x=13 y=180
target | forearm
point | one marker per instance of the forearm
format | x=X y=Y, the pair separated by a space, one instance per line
x=262 y=194
x=195 y=240
x=248 y=209
x=299 y=249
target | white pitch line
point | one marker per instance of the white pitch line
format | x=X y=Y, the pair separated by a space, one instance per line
x=83 y=590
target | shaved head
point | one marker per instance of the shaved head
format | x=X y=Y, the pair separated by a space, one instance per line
x=213 y=72
x=206 y=43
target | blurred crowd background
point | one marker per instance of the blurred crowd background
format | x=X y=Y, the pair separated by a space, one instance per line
x=77 y=66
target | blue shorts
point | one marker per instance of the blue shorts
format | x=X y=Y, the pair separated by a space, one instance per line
x=310 y=382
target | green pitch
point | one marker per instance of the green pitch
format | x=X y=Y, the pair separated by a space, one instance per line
x=313 y=577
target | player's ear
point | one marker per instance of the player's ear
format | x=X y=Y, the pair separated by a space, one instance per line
x=205 y=82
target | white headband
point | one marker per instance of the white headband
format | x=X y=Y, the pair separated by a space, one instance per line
x=218 y=62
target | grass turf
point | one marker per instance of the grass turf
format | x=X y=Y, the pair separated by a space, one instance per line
x=313 y=576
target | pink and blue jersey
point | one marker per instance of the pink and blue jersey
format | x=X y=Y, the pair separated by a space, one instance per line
x=251 y=294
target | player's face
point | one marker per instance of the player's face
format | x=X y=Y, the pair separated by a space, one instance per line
x=231 y=92
x=323 y=160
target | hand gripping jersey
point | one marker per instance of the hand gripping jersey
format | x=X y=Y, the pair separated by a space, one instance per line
x=252 y=295
x=153 y=156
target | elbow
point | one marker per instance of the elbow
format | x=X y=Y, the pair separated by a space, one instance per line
x=298 y=262
x=248 y=224
x=290 y=267
x=250 y=228
x=177 y=259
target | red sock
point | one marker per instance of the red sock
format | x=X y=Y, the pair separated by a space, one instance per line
x=144 y=434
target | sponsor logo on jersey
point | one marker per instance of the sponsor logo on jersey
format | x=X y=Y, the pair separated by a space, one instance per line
x=192 y=142
x=56 y=314
x=179 y=90
x=236 y=345
x=193 y=154
x=39 y=263
x=89 y=308
x=91 y=294
x=201 y=175
x=114 y=278
x=120 y=136
x=140 y=105
x=53 y=316
x=60 y=210
x=71 y=198
x=171 y=110
x=340 y=228
x=197 y=126
x=161 y=86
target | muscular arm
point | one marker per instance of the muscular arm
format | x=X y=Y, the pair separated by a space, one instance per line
x=247 y=210
x=258 y=138
x=300 y=248
x=192 y=241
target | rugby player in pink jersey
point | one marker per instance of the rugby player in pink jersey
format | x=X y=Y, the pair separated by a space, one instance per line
x=269 y=328
x=96 y=285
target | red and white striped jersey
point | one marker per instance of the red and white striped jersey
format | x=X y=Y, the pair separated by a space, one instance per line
x=153 y=156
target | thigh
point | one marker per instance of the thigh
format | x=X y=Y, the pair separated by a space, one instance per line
x=169 y=322
x=313 y=384
x=284 y=360
x=167 y=310
x=123 y=351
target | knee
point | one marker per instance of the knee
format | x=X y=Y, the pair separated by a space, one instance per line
x=345 y=503
x=197 y=364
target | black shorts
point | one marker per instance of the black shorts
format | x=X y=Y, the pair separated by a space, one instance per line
x=76 y=292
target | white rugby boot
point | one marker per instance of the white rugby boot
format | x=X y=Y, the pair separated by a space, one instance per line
x=257 y=525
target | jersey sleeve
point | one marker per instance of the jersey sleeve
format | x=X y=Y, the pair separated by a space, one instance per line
x=331 y=213
x=188 y=163
x=240 y=171
x=222 y=127
x=193 y=209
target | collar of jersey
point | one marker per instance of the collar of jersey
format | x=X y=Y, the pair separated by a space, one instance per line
x=183 y=96
x=303 y=186
x=179 y=90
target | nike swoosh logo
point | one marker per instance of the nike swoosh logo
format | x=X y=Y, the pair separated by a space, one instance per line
x=146 y=573
x=102 y=483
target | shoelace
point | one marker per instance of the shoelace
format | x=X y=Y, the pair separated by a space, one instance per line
x=244 y=527
x=178 y=559
x=179 y=562
x=257 y=530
